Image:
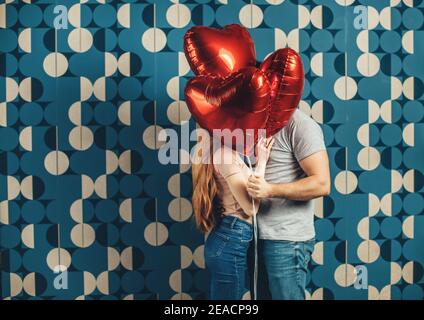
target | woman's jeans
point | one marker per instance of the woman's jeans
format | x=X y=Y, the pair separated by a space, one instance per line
x=226 y=258
x=286 y=264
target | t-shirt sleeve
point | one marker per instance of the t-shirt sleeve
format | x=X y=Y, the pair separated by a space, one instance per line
x=227 y=163
x=307 y=139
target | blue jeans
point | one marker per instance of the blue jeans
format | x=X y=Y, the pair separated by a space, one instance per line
x=286 y=264
x=226 y=258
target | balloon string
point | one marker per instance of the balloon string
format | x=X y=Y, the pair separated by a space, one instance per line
x=255 y=240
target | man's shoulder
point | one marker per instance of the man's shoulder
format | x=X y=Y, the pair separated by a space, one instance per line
x=299 y=118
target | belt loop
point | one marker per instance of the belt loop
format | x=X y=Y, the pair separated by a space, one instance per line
x=233 y=222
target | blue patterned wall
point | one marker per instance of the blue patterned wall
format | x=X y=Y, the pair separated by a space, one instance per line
x=81 y=187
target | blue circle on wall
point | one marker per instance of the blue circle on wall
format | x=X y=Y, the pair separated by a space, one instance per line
x=30 y=15
x=105 y=113
x=390 y=41
x=107 y=210
x=413 y=111
x=391 y=227
x=391 y=134
x=413 y=203
x=324 y=229
x=322 y=40
x=9 y=138
x=9 y=40
x=104 y=16
x=132 y=282
x=412 y=18
x=10 y=236
x=10 y=64
x=412 y=292
x=131 y=186
x=130 y=88
x=31 y=114
x=33 y=212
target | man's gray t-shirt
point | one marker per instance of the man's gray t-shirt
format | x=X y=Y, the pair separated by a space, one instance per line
x=279 y=218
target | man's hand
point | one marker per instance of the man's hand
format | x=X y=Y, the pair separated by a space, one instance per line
x=258 y=188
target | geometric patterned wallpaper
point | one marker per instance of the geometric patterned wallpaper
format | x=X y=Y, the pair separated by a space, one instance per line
x=81 y=187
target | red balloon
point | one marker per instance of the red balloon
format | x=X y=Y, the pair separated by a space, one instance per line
x=284 y=71
x=238 y=101
x=229 y=92
x=219 y=51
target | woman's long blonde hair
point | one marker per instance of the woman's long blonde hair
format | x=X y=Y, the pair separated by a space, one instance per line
x=204 y=193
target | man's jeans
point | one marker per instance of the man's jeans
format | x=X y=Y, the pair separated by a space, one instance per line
x=286 y=264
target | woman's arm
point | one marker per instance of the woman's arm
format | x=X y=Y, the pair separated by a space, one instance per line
x=238 y=182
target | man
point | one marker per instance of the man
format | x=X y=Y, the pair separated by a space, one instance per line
x=297 y=172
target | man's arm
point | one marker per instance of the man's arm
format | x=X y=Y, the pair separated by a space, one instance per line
x=316 y=184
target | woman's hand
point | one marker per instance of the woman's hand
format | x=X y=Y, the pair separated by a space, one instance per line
x=263 y=149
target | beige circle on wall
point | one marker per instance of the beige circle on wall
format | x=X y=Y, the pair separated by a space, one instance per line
x=27 y=189
x=373 y=204
x=124 y=113
x=76 y=211
x=368 y=64
x=29 y=284
x=345 y=275
x=125 y=210
x=180 y=209
x=124 y=64
x=178 y=112
x=368 y=251
x=56 y=162
x=153 y=39
x=83 y=235
x=181 y=296
x=345 y=2
x=87 y=186
x=369 y=158
x=156 y=234
x=75 y=112
x=150 y=137
x=178 y=15
x=113 y=258
x=89 y=282
x=81 y=138
x=112 y=162
x=345 y=88
x=58 y=258
x=174 y=185
x=251 y=16
x=127 y=258
x=12 y=89
x=199 y=256
x=175 y=280
x=80 y=40
x=111 y=64
x=346 y=182
x=408 y=272
x=13 y=187
x=186 y=257
x=55 y=64
x=275 y=2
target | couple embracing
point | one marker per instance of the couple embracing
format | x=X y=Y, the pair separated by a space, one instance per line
x=291 y=170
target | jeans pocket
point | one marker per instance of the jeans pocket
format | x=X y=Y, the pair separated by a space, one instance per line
x=246 y=236
x=215 y=244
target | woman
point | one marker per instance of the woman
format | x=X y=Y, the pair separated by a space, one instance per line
x=224 y=209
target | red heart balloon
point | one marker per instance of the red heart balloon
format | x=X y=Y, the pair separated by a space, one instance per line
x=219 y=51
x=238 y=101
x=284 y=71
